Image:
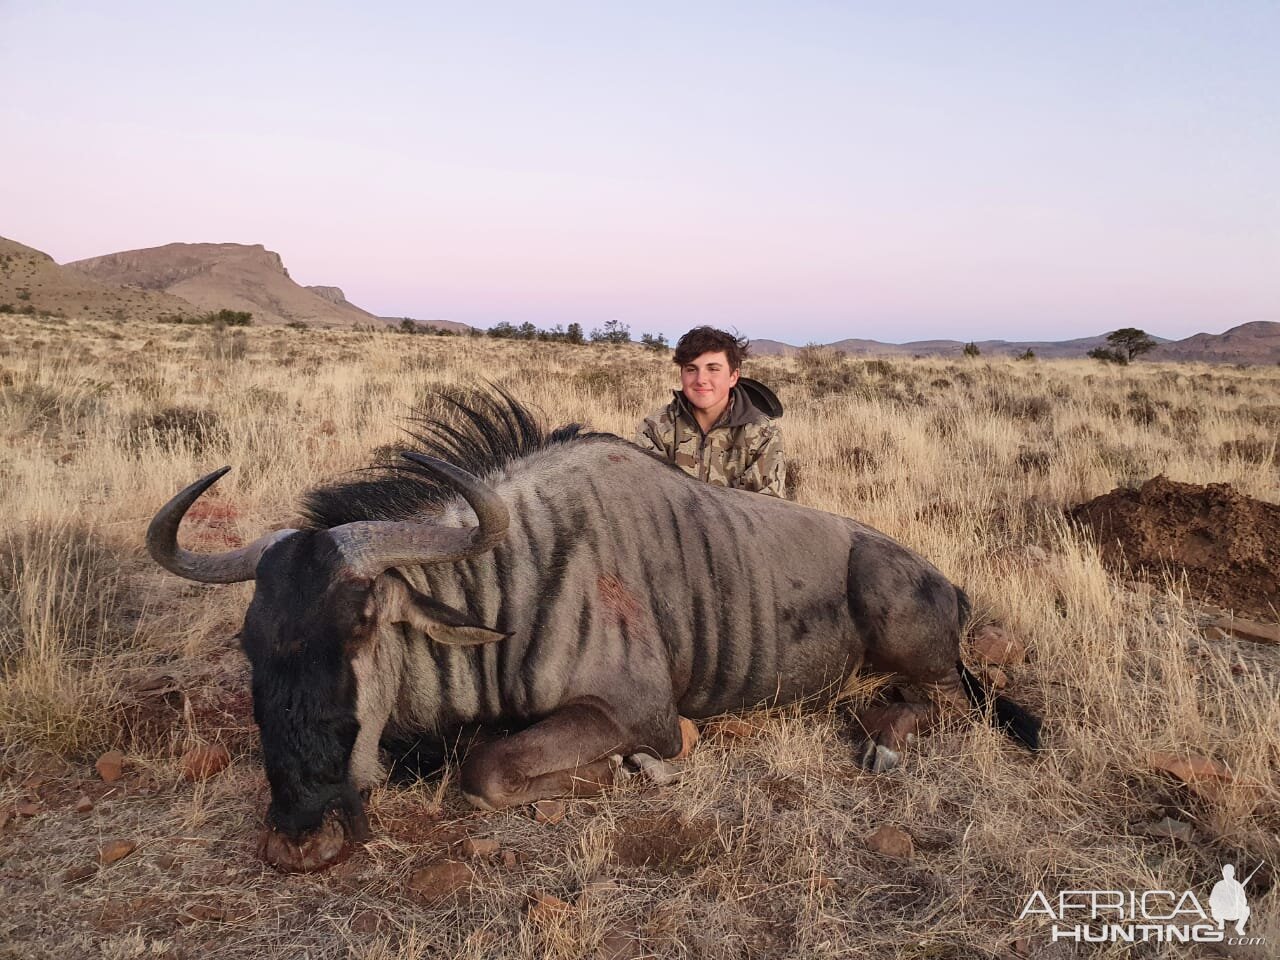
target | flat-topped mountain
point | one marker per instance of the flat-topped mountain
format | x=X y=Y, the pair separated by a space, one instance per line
x=233 y=276
x=31 y=281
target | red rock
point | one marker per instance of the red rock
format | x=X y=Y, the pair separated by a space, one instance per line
x=204 y=761
x=367 y=921
x=993 y=646
x=5 y=817
x=688 y=738
x=440 y=880
x=1170 y=829
x=543 y=907
x=27 y=808
x=622 y=943
x=33 y=783
x=84 y=804
x=1192 y=767
x=549 y=811
x=1243 y=629
x=892 y=842
x=79 y=873
x=110 y=766
x=997 y=678
x=115 y=851
x=478 y=848
x=732 y=728
x=510 y=859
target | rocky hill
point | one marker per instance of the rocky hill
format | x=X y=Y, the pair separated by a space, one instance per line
x=234 y=276
x=1257 y=342
x=30 y=281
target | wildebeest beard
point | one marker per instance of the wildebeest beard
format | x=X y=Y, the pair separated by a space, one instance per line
x=298 y=633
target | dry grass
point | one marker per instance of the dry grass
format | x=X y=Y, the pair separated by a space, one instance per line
x=759 y=851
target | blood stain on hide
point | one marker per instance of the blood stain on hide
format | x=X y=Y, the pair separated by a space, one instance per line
x=617 y=598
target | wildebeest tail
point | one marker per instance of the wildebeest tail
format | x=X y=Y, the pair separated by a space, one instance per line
x=964 y=609
x=1016 y=721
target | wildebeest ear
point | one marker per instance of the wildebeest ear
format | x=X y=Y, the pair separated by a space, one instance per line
x=439 y=621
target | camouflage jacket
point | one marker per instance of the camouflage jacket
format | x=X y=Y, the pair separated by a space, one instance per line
x=743 y=450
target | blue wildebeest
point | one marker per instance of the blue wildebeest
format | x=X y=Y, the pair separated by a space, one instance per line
x=598 y=594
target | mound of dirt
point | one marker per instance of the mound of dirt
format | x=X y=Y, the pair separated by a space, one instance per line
x=1226 y=544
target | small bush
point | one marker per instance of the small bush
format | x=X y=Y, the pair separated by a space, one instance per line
x=175 y=428
x=1248 y=449
x=65 y=580
x=1033 y=461
x=35 y=409
x=226 y=349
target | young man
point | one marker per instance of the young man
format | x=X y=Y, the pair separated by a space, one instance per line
x=720 y=426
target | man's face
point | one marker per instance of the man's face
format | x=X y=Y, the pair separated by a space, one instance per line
x=706 y=380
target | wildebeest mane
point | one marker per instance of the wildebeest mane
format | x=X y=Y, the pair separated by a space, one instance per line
x=478 y=430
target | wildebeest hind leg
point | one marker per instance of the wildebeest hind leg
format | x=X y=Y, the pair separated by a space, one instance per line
x=565 y=754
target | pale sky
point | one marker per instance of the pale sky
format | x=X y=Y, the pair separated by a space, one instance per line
x=800 y=171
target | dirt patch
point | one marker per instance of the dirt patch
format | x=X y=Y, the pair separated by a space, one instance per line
x=1225 y=543
x=663 y=842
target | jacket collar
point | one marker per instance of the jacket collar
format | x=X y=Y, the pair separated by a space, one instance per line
x=740 y=412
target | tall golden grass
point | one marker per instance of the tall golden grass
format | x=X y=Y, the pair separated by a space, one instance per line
x=969 y=462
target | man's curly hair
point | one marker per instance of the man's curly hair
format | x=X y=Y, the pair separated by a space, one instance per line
x=702 y=340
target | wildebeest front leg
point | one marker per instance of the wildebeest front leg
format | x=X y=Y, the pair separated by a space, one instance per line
x=563 y=755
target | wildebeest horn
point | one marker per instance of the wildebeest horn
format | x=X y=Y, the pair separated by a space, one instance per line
x=233 y=566
x=371 y=546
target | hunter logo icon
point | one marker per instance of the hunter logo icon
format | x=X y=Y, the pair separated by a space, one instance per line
x=1228 y=902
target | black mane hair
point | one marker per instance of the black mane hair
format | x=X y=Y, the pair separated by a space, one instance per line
x=477 y=430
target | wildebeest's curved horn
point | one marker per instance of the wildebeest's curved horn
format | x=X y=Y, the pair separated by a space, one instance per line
x=371 y=546
x=233 y=566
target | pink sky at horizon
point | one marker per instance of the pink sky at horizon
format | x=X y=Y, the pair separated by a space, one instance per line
x=803 y=173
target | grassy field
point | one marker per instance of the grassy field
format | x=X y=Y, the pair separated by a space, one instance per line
x=760 y=850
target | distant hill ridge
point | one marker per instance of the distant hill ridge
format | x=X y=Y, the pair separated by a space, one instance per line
x=192 y=278
x=1255 y=342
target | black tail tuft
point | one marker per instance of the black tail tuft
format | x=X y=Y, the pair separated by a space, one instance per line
x=1016 y=721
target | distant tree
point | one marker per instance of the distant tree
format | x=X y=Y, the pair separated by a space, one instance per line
x=1131 y=341
x=614 y=331
x=971 y=349
x=1107 y=355
x=526 y=331
x=655 y=341
x=409 y=325
x=503 y=331
x=1029 y=355
x=574 y=334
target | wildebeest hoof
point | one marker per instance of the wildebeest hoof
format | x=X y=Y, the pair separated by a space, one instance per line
x=621 y=772
x=655 y=770
x=319 y=850
x=877 y=758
